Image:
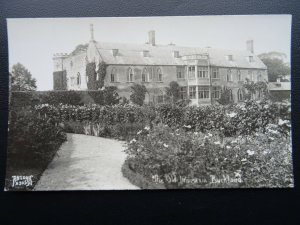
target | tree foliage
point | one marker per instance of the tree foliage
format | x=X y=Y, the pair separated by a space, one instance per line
x=21 y=79
x=96 y=76
x=173 y=91
x=226 y=97
x=138 y=94
x=275 y=64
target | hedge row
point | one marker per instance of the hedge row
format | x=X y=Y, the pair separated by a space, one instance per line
x=108 y=96
x=239 y=119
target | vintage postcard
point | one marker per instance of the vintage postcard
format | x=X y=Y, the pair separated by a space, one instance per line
x=149 y=103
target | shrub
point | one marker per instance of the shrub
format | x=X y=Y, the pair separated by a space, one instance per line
x=138 y=93
x=32 y=142
x=181 y=159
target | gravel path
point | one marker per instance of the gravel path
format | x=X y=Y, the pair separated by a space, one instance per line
x=86 y=163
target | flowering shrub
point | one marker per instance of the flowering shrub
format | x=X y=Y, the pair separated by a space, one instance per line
x=181 y=159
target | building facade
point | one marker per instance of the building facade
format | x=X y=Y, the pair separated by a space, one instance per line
x=202 y=73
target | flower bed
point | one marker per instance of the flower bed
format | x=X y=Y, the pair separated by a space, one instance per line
x=181 y=159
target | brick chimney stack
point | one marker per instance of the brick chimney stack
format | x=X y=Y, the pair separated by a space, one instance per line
x=151 y=35
x=250 y=46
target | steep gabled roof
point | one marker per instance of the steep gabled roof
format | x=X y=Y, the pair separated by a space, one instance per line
x=132 y=54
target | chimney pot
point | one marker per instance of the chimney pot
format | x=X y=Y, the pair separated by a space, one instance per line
x=250 y=46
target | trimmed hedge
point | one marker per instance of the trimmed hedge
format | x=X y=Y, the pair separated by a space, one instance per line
x=239 y=119
x=108 y=96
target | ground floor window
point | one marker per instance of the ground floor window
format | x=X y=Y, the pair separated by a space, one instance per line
x=192 y=92
x=203 y=92
x=240 y=95
x=183 y=92
x=216 y=92
x=160 y=99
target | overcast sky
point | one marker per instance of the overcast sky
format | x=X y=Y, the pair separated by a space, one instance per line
x=33 y=42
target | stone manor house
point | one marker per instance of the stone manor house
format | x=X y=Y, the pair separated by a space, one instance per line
x=201 y=72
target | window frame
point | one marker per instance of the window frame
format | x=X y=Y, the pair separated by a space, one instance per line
x=203 y=92
x=159 y=75
x=215 y=70
x=129 y=75
x=202 y=72
x=192 y=92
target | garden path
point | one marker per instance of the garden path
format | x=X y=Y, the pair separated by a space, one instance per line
x=86 y=163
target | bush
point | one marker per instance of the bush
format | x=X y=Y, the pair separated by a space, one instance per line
x=180 y=159
x=32 y=142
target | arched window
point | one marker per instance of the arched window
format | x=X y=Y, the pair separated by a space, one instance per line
x=159 y=75
x=240 y=95
x=113 y=75
x=228 y=77
x=145 y=75
x=239 y=75
x=129 y=75
x=230 y=94
x=78 y=79
x=259 y=77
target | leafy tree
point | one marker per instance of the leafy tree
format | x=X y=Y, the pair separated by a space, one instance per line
x=111 y=96
x=138 y=94
x=21 y=79
x=79 y=48
x=173 y=91
x=275 y=64
x=226 y=97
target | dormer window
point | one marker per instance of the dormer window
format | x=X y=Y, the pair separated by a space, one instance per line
x=176 y=54
x=115 y=52
x=251 y=58
x=146 y=53
x=230 y=57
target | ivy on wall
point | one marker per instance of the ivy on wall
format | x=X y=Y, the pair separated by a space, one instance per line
x=95 y=79
x=60 y=80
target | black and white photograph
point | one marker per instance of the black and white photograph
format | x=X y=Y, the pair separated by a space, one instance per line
x=133 y=103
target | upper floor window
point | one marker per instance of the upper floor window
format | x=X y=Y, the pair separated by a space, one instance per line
x=78 y=79
x=215 y=73
x=129 y=75
x=250 y=75
x=113 y=75
x=180 y=73
x=191 y=72
x=259 y=77
x=145 y=77
x=160 y=76
x=202 y=72
x=229 y=75
x=239 y=76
